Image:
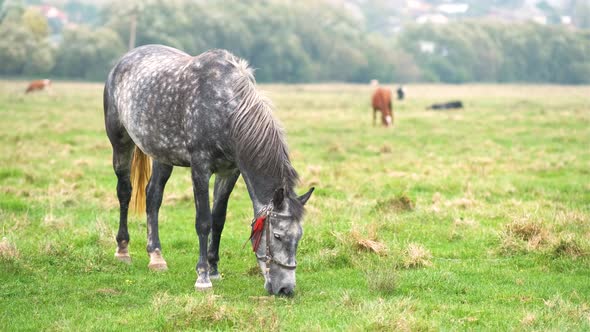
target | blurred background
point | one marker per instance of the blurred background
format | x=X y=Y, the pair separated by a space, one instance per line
x=398 y=41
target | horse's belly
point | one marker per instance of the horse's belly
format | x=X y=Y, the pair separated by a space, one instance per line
x=169 y=151
x=160 y=136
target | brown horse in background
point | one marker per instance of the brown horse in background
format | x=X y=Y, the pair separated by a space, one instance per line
x=382 y=102
x=38 y=85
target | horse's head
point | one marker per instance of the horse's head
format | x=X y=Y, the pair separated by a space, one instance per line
x=387 y=117
x=279 y=231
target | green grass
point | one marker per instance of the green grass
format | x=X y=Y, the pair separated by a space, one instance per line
x=481 y=218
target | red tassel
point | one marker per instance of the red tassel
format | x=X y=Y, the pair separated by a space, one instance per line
x=256 y=233
x=259 y=224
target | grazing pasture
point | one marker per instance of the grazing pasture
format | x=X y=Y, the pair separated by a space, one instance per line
x=471 y=219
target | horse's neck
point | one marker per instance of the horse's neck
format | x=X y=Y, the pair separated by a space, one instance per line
x=261 y=188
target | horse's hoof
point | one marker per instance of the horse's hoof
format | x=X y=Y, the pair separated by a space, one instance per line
x=123 y=256
x=203 y=285
x=157 y=262
x=215 y=276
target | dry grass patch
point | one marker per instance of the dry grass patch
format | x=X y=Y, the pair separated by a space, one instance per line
x=385 y=149
x=399 y=203
x=347 y=300
x=368 y=243
x=524 y=235
x=184 y=310
x=8 y=250
x=528 y=319
x=209 y=311
x=336 y=148
x=72 y=175
x=526 y=230
x=16 y=192
x=568 y=245
x=462 y=202
x=416 y=255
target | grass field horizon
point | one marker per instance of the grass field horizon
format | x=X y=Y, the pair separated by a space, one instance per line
x=473 y=219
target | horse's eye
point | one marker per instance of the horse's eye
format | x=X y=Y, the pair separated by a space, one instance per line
x=277 y=236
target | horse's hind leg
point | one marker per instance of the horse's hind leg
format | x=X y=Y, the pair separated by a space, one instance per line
x=224 y=184
x=155 y=190
x=122 y=154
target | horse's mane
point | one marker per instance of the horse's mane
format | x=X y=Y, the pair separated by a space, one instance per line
x=260 y=139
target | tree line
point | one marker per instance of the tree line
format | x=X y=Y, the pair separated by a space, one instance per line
x=303 y=41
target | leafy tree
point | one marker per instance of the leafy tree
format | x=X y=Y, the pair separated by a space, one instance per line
x=36 y=23
x=11 y=10
x=471 y=51
x=87 y=53
x=40 y=59
x=304 y=41
x=82 y=12
x=15 y=44
x=581 y=10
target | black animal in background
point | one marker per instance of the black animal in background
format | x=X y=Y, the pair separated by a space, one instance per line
x=400 y=93
x=445 y=106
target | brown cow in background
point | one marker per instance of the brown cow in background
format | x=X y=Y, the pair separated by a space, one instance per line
x=382 y=102
x=38 y=85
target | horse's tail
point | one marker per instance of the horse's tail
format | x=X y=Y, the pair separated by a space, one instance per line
x=141 y=171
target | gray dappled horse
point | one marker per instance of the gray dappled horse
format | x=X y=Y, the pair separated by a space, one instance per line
x=205 y=113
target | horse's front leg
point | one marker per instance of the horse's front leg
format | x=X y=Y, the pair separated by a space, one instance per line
x=224 y=184
x=374 y=117
x=200 y=176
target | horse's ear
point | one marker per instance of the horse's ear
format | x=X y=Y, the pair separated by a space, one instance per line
x=303 y=198
x=278 y=198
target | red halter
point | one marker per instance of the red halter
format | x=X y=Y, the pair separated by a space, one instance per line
x=261 y=223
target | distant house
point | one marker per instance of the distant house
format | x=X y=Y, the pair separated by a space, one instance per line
x=566 y=20
x=427 y=46
x=432 y=18
x=53 y=13
x=453 y=8
x=56 y=19
x=417 y=6
x=539 y=19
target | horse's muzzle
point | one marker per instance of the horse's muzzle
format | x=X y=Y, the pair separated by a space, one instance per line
x=281 y=290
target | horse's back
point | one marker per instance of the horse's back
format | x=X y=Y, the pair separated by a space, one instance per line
x=38 y=85
x=170 y=102
x=381 y=99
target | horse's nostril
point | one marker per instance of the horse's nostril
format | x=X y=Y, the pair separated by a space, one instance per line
x=286 y=291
